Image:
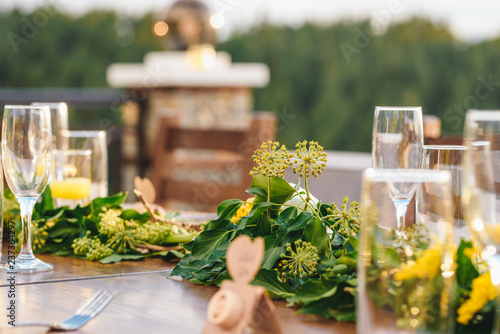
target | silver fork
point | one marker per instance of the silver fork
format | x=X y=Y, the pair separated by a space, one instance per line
x=83 y=315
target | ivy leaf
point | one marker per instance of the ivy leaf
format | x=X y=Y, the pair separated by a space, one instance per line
x=271 y=256
x=281 y=191
x=466 y=271
x=45 y=204
x=269 y=280
x=297 y=224
x=313 y=290
x=99 y=203
x=228 y=208
x=207 y=243
x=120 y=257
x=257 y=192
x=315 y=233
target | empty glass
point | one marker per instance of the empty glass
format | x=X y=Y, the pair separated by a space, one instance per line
x=450 y=158
x=398 y=140
x=96 y=142
x=58 y=117
x=405 y=280
x=26 y=158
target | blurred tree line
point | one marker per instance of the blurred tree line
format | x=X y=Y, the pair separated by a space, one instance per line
x=325 y=80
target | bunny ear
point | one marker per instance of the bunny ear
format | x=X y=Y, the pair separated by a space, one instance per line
x=244 y=258
x=146 y=188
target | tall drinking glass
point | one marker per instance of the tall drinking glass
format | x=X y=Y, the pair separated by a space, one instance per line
x=405 y=283
x=58 y=117
x=450 y=158
x=96 y=142
x=398 y=140
x=26 y=158
x=481 y=195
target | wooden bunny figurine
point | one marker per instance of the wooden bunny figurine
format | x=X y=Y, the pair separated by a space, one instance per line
x=238 y=305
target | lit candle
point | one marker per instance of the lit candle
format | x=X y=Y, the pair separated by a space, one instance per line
x=71 y=188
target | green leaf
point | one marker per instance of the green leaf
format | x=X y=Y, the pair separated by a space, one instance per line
x=315 y=233
x=132 y=214
x=314 y=290
x=257 y=191
x=466 y=271
x=228 y=208
x=46 y=203
x=107 y=202
x=281 y=191
x=285 y=232
x=120 y=257
x=268 y=279
x=354 y=241
x=262 y=227
x=170 y=255
x=207 y=243
x=271 y=256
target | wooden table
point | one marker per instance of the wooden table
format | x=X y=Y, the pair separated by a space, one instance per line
x=148 y=301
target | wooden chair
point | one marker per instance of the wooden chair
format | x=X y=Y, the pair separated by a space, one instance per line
x=230 y=153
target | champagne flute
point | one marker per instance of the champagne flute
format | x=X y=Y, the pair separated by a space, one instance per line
x=481 y=192
x=398 y=140
x=26 y=157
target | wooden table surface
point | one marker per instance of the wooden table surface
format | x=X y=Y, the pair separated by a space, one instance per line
x=148 y=301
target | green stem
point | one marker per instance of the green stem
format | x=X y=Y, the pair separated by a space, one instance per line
x=308 y=197
x=308 y=205
x=269 y=189
x=268 y=195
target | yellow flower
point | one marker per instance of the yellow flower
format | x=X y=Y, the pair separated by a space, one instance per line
x=243 y=211
x=426 y=266
x=482 y=292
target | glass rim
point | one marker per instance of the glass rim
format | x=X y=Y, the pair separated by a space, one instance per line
x=51 y=105
x=403 y=175
x=72 y=152
x=26 y=106
x=446 y=147
x=395 y=108
x=83 y=133
x=483 y=115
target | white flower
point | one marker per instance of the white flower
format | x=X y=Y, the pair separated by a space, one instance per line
x=299 y=202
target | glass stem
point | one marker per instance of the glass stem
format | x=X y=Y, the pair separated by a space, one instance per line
x=401 y=208
x=26 y=204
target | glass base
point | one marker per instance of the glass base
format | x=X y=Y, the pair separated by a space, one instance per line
x=27 y=266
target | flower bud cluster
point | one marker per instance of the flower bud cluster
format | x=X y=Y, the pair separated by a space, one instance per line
x=90 y=247
x=271 y=159
x=346 y=221
x=39 y=235
x=309 y=159
x=299 y=261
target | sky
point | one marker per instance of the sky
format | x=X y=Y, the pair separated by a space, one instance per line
x=470 y=20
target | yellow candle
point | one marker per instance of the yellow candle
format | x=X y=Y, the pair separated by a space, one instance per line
x=71 y=188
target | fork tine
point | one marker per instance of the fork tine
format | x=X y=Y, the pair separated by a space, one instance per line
x=99 y=304
x=90 y=302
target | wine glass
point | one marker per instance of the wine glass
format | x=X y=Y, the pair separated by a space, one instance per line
x=398 y=140
x=481 y=192
x=405 y=285
x=26 y=158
